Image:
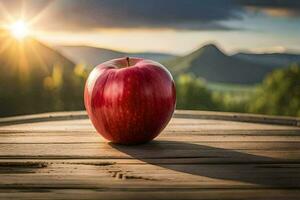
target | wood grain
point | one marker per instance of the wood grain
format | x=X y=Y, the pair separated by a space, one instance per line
x=200 y=155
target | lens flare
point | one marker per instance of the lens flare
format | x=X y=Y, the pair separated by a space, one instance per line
x=19 y=29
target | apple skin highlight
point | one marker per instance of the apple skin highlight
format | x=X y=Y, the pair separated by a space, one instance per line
x=130 y=100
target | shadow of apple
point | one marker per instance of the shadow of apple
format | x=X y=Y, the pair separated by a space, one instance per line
x=219 y=163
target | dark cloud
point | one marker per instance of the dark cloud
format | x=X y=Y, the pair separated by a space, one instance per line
x=174 y=14
x=170 y=14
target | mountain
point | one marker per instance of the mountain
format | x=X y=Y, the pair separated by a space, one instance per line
x=160 y=57
x=273 y=60
x=35 y=78
x=94 y=56
x=210 y=63
x=27 y=55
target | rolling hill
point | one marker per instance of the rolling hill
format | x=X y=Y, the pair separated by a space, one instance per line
x=94 y=56
x=29 y=56
x=35 y=78
x=210 y=63
x=274 y=60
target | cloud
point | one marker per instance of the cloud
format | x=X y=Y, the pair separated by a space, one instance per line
x=168 y=14
x=87 y=15
x=274 y=8
x=174 y=14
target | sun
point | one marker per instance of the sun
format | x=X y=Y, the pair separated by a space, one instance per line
x=19 y=29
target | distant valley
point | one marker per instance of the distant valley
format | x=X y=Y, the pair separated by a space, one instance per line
x=208 y=62
x=274 y=60
x=212 y=64
x=94 y=56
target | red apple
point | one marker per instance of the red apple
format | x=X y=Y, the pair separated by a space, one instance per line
x=130 y=100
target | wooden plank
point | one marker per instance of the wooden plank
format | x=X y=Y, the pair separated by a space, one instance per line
x=150 y=194
x=7 y=147
x=114 y=175
x=151 y=150
x=176 y=124
x=208 y=136
x=254 y=118
x=243 y=117
x=193 y=158
x=55 y=116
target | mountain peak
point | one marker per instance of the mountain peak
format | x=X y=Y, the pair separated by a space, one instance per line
x=209 y=50
x=210 y=46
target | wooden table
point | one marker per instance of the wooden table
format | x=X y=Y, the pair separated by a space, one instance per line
x=200 y=155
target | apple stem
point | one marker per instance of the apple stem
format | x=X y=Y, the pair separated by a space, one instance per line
x=128 y=63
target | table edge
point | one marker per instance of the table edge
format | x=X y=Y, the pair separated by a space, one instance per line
x=227 y=116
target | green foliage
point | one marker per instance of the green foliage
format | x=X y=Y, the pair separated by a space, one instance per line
x=279 y=93
x=230 y=102
x=193 y=94
x=62 y=89
x=35 y=78
x=231 y=97
x=239 y=89
x=42 y=80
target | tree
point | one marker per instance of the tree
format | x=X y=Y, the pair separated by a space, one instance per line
x=192 y=93
x=279 y=93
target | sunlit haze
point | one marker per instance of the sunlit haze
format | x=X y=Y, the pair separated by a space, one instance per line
x=234 y=25
x=19 y=29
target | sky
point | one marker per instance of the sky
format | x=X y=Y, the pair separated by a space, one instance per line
x=170 y=26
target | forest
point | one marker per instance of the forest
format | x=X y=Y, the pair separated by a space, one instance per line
x=47 y=81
